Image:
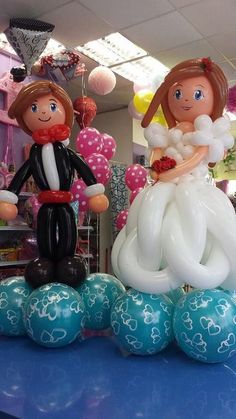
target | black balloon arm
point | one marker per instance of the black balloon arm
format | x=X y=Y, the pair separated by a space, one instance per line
x=82 y=168
x=20 y=178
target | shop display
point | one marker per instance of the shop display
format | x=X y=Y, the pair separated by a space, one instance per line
x=180 y=230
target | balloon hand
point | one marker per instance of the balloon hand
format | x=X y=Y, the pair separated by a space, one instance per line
x=8 y=211
x=98 y=203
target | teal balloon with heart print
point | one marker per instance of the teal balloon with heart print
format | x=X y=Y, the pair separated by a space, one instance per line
x=204 y=325
x=13 y=294
x=142 y=323
x=175 y=295
x=54 y=315
x=232 y=294
x=98 y=292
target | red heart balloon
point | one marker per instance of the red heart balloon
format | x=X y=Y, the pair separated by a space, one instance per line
x=86 y=110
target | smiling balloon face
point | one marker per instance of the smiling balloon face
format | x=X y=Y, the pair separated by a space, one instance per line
x=44 y=112
x=190 y=98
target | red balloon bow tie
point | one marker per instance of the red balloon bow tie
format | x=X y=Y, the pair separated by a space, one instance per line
x=58 y=132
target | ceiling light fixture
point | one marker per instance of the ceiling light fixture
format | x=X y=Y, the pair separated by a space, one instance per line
x=123 y=57
x=112 y=50
x=143 y=69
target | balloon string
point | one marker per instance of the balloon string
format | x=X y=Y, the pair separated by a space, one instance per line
x=83 y=95
x=9 y=151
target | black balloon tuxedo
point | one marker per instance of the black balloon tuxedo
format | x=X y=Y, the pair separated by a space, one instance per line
x=56 y=227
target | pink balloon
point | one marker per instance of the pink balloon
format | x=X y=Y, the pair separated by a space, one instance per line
x=135 y=176
x=88 y=142
x=121 y=219
x=134 y=193
x=133 y=112
x=101 y=80
x=100 y=167
x=32 y=206
x=77 y=191
x=108 y=146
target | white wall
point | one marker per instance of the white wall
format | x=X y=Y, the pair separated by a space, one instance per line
x=138 y=137
x=118 y=124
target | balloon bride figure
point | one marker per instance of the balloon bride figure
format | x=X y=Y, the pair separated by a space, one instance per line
x=181 y=229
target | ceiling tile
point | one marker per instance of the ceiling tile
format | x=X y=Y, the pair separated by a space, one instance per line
x=200 y=48
x=25 y=8
x=229 y=70
x=154 y=35
x=211 y=16
x=28 y=8
x=225 y=43
x=76 y=25
x=124 y=13
x=182 y=3
x=232 y=81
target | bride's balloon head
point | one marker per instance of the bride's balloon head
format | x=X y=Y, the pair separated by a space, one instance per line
x=192 y=88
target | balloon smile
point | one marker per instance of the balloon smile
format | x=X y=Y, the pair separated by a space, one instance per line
x=186 y=108
x=45 y=120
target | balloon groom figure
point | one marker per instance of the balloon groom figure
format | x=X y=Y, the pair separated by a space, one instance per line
x=181 y=229
x=44 y=111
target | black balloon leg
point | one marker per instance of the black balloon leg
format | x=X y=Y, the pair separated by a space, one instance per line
x=71 y=270
x=39 y=272
x=46 y=231
x=67 y=231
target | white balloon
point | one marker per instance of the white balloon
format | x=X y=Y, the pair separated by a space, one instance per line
x=115 y=251
x=152 y=208
x=174 y=154
x=188 y=151
x=175 y=135
x=144 y=280
x=203 y=123
x=50 y=167
x=132 y=219
x=216 y=151
x=220 y=126
x=187 y=138
x=191 y=218
x=201 y=138
x=228 y=140
x=156 y=135
x=158 y=140
x=180 y=147
x=185 y=266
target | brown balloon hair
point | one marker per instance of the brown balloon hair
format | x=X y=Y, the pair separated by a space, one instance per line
x=30 y=92
x=184 y=70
